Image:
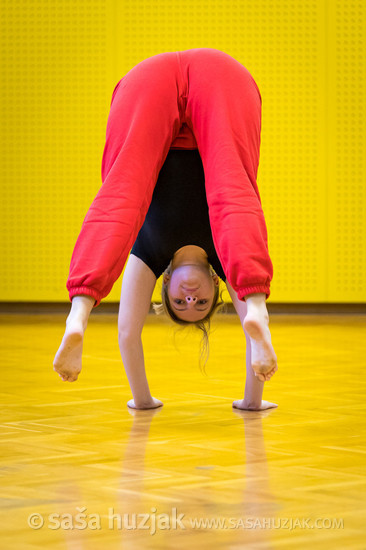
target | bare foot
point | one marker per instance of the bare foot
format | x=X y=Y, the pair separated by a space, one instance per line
x=264 y=360
x=67 y=361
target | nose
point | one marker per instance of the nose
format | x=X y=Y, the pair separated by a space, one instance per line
x=190 y=299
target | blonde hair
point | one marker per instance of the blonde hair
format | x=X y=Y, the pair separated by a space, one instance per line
x=203 y=324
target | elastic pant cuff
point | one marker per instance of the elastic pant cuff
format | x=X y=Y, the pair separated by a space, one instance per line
x=256 y=289
x=77 y=291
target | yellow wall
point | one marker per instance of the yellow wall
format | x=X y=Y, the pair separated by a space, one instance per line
x=61 y=61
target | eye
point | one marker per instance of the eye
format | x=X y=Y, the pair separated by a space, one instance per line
x=179 y=302
x=201 y=302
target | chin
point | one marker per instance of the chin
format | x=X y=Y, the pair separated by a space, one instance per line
x=196 y=270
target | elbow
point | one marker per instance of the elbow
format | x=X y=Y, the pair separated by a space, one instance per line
x=128 y=336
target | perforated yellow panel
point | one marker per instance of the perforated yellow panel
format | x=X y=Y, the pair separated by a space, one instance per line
x=346 y=152
x=61 y=61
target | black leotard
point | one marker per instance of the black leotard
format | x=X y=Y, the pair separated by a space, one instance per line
x=178 y=214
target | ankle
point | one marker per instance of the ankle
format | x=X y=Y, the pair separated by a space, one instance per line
x=77 y=318
x=257 y=298
x=256 y=305
x=80 y=310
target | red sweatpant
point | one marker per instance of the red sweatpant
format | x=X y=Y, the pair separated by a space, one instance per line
x=218 y=100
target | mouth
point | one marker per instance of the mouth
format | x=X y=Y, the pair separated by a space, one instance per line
x=189 y=289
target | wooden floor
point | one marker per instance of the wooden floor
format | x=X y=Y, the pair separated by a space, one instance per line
x=292 y=477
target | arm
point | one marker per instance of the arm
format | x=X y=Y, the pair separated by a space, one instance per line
x=137 y=288
x=253 y=386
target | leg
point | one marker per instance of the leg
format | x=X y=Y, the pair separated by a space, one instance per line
x=261 y=361
x=224 y=111
x=264 y=360
x=67 y=362
x=143 y=120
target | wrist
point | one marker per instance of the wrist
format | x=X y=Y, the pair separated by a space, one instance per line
x=143 y=402
x=252 y=403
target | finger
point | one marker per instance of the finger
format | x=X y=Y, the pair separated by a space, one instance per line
x=269 y=405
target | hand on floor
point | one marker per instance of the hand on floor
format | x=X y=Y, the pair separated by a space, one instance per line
x=240 y=404
x=151 y=405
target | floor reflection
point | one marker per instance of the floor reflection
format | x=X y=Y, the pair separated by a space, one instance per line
x=232 y=491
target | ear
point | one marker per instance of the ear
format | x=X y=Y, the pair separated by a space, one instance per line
x=166 y=278
x=215 y=279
